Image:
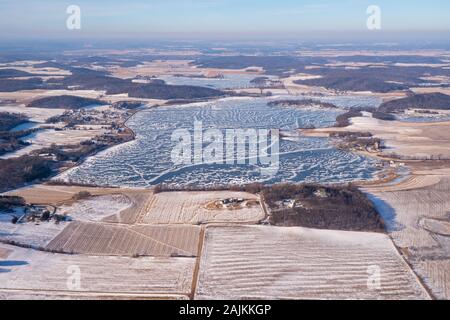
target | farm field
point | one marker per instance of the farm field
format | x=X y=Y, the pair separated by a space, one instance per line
x=19 y=294
x=198 y=207
x=102 y=205
x=33 y=68
x=63 y=195
x=437 y=275
x=40 y=233
x=47 y=137
x=32 y=274
x=411 y=140
x=29 y=233
x=138 y=207
x=96 y=208
x=24 y=97
x=114 y=239
x=263 y=262
x=419 y=226
x=174 y=67
x=410 y=183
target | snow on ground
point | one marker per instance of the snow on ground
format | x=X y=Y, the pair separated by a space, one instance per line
x=29 y=233
x=407 y=139
x=192 y=208
x=260 y=262
x=96 y=208
x=25 y=126
x=420 y=227
x=125 y=240
x=47 y=71
x=35 y=114
x=56 y=194
x=306 y=159
x=31 y=274
x=45 y=138
x=41 y=233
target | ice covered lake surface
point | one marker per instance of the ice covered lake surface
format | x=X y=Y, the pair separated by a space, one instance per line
x=436 y=118
x=351 y=101
x=146 y=161
x=229 y=81
x=25 y=126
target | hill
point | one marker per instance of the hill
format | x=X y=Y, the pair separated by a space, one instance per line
x=11 y=120
x=419 y=101
x=11 y=73
x=65 y=102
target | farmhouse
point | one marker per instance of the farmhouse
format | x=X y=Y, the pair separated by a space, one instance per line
x=231 y=201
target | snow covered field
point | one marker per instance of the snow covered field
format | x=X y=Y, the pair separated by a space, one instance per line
x=45 y=138
x=96 y=208
x=121 y=240
x=191 y=208
x=229 y=81
x=408 y=139
x=260 y=262
x=39 y=115
x=30 y=233
x=39 y=234
x=421 y=226
x=31 y=274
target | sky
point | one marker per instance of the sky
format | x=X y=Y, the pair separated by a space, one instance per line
x=142 y=18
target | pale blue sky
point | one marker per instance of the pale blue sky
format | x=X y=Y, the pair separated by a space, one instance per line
x=109 y=18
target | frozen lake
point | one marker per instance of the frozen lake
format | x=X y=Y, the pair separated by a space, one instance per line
x=25 y=126
x=147 y=161
x=229 y=81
